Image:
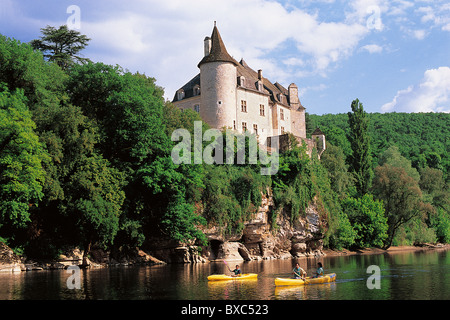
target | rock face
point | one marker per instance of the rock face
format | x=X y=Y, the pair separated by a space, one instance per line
x=9 y=261
x=302 y=237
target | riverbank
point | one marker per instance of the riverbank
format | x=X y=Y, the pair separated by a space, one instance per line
x=10 y=262
x=391 y=250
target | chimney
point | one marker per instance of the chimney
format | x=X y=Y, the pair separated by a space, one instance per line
x=207 y=46
x=293 y=95
x=260 y=74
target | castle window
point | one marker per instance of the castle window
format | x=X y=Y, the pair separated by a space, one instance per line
x=255 y=129
x=197 y=108
x=234 y=124
x=261 y=110
x=282 y=130
x=196 y=90
x=180 y=94
x=244 y=126
x=281 y=114
x=243 y=106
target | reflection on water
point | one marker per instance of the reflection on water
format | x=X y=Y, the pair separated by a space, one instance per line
x=421 y=275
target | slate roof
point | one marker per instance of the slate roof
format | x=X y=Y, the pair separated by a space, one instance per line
x=218 y=51
x=188 y=88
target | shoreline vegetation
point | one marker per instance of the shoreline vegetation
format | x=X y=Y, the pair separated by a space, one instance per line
x=11 y=263
x=390 y=250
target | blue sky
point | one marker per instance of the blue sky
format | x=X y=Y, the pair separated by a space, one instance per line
x=392 y=55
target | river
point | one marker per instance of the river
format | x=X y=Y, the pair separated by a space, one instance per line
x=403 y=276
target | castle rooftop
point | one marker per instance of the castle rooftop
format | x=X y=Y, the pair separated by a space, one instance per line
x=218 y=51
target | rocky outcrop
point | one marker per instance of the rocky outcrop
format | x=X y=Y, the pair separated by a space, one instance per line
x=259 y=240
x=9 y=261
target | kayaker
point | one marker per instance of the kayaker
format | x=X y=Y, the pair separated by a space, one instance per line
x=299 y=273
x=319 y=272
x=237 y=271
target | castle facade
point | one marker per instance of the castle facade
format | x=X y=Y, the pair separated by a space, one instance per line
x=229 y=94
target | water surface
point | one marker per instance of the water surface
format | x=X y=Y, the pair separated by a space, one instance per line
x=404 y=276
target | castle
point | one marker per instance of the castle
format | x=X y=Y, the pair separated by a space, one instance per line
x=229 y=94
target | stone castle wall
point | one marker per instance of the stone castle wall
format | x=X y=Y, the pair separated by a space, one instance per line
x=218 y=94
x=252 y=116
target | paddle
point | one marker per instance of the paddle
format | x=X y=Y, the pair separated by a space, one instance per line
x=301 y=277
x=227 y=265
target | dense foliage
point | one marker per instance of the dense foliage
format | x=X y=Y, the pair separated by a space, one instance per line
x=411 y=171
x=85 y=159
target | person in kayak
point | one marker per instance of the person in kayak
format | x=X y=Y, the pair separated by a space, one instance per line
x=236 y=272
x=299 y=273
x=319 y=272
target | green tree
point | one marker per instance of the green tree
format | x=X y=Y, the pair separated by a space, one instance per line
x=76 y=205
x=21 y=155
x=360 y=160
x=393 y=157
x=401 y=197
x=292 y=185
x=94 y=202
x=366 y=215
x=23 y=68
x=333 y=160
x=128 y=110
x=436 y=192
x=61 y=45
x=343 y=234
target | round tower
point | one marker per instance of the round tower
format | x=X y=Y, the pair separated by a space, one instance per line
x=218 y=78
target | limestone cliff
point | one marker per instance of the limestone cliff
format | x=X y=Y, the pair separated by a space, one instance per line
x=258 y=239
x=302 y=237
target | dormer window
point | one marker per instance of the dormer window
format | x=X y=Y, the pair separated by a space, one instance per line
x=180 y=94
x=197 y=90
x=259 y=86
x=281 y=97
x=242 y=81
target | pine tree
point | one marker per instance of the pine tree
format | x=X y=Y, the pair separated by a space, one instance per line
x=61 y=45
x=360 y=161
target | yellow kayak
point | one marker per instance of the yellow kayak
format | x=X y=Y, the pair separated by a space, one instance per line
x=299 y=282
x=221 y=277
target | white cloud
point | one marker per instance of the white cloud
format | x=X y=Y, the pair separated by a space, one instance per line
x=317 y=88
x=399 y=7
x=431 y=95
x=294 y=62
x=372 y=48
x=164 y=39
x=419 y=34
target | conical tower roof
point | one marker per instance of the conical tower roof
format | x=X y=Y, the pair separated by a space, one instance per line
x=218 y=51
